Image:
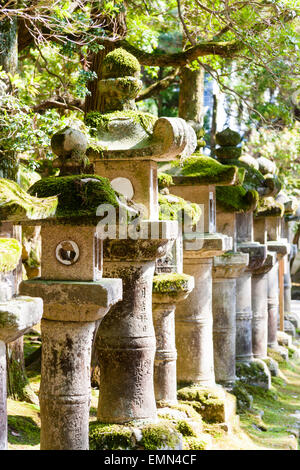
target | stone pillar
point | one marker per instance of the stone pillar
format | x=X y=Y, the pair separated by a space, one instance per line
x=273 y=307
x=243 y=318
x=71 y=310
x=168 y=290
x=260 y=307
x=65 y=384
x=125 y=339
x=226 y=270
x=17 y=315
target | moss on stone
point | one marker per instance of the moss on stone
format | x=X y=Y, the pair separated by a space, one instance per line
x=10 y=253
x=100 y=122
x=110 y=437
x=175 y=208
x=269 y=207
x=164 y=180
x=16 y=204
x=195 y=443
x=171 y=283
x=206 y=402
x=228 y=152
x=236 y=198
x=78 y=195
x=185 y=428
x=244 y=400
x=160 y=436
x=228 y=137
x=204 y=170
x=120 y=63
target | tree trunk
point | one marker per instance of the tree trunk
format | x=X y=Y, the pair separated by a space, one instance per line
x=8 y=62
x=213 y=126
x=17 y=382
x=117 y=27
x=191 y=96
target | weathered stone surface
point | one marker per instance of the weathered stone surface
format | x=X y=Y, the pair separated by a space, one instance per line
x=254 y=373
x=213 y=403
x=164 y=299
x=62 y=298
x=126 y=339
x=284 y=339
x=226 y=269
x=18 y=315
x=65 y=384
x=18 y=205
x=260 y=307
x=69 y=143
x=272 y=366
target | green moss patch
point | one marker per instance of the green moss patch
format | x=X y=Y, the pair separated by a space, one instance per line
x=110 y=437
x=160 y=436
x=10 y=253
x=100 y=122
x=176 y=208
x=16 y=204
x=120 y=63
x=208 y=403
x=171 y=283
x=228 y=138
x=164 y=180
x=236 y=198
x=78 y=195
x=203 y=170
x=228 y=152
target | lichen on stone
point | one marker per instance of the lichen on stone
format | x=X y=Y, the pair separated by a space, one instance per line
x=205 y=170
x=97 y=121
x=120 y=63
x=10 y=253
x=269 y=207
x=236 y=198
x=78 y=195
x=171 y=283
x=16 y=204
x=175 y=208
x=228 y=138
x=208 y=403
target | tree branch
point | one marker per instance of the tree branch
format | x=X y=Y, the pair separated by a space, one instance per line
x=158 y=86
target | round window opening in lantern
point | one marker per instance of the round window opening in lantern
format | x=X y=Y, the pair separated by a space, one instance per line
x=67 y=252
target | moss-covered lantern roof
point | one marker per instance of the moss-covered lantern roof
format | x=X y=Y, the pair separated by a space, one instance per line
x=17 y=205
x=10 y=254
x=269 y=207
x=204 y=170
x=236 y=199
x=171 y=208
x=78 y=195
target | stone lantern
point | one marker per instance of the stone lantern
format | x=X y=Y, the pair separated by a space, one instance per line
x=170 y=286
x=195 y=181
x=291 y=205
x=18 y=312
x=251 y=293
x=127 y=145
x=75 y=298
x=267 y=226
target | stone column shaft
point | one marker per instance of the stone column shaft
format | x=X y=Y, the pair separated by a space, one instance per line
x=273 y=306
x=260 y=315
x=126 y=347
x=65 y=384
x=243 y=318
x=195 y=363
x=3 y=405
x=224 y=330
x=165 y=358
